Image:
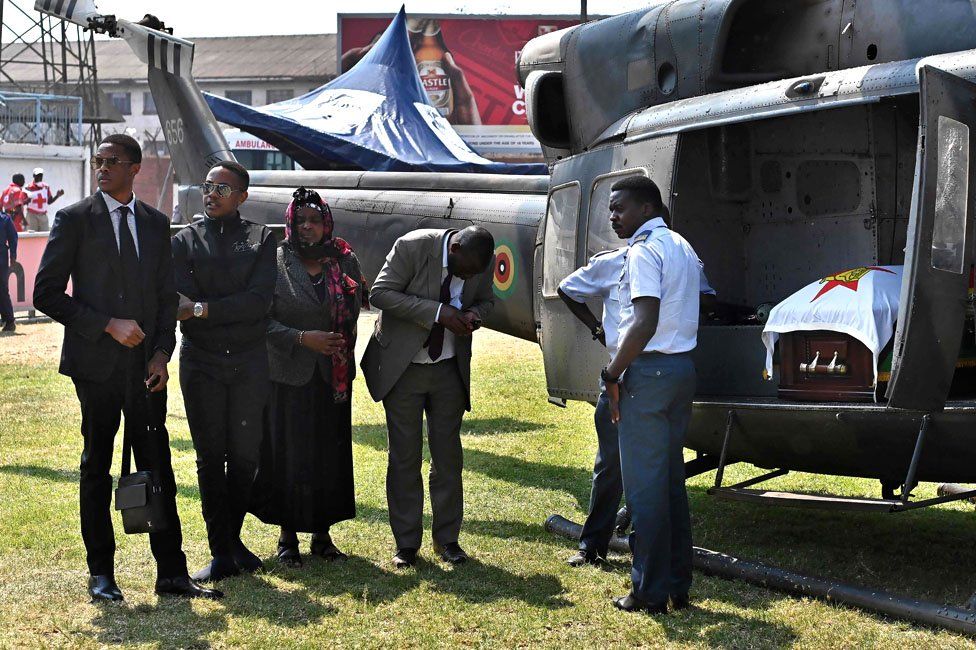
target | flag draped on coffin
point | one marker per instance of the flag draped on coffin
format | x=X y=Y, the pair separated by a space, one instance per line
x=376 y=116
x=860 y=302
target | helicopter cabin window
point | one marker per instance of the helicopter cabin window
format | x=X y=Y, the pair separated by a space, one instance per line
x=559 y=246
x=599 y=236
x=951 y=196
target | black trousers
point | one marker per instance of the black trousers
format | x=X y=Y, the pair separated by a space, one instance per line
x=102 y=405
x=225 y=396
x=6 y=307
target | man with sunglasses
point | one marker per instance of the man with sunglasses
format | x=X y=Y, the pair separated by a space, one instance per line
x=119 y=332
x=225 y=268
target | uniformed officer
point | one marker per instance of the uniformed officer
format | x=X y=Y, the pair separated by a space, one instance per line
x=600 y=278
x=651 y=403
x=225 y=269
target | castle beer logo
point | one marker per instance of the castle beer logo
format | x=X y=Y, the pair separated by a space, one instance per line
x=437 y=84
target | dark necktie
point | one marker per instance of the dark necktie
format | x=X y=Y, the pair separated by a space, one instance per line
x=131 y=285
x=435 y=342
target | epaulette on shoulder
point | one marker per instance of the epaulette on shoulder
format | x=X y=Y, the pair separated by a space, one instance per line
x=641 y=238
x=605 y=253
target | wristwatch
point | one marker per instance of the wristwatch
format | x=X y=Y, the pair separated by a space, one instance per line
x=197 y=309
x=597 y=332
x=607 y=379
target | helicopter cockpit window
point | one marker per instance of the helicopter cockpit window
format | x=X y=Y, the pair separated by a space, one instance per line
x=951 y=196
x=599 y=236
x=559 y=247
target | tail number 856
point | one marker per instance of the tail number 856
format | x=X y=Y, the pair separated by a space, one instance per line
x=174 y=130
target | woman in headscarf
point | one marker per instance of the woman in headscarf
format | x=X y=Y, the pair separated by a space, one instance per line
x=305 y=478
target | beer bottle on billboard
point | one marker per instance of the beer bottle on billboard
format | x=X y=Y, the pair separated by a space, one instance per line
x=430 y=66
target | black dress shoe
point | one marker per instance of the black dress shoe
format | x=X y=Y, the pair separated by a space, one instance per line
x=680 y=602
x=220 y=567
x=405 y=558
x=103 y=589
x=451 y=553
x=325 y=548
x=584 y=557
x=185 y=587
x=246 y=560
x=10 y=327
x=631 y=603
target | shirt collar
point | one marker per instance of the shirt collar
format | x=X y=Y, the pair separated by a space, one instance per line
x=656 y=222
x=114 y=205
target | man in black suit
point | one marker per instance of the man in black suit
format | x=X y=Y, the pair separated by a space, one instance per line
x=120 y=323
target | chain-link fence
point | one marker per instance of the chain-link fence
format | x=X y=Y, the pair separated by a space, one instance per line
x=40 y=119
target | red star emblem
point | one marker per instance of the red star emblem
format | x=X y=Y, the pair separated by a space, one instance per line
x=848 y=279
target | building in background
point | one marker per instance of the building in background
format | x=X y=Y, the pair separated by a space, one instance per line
x=252 y=70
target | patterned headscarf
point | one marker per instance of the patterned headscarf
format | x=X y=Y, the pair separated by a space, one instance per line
x=341 y=290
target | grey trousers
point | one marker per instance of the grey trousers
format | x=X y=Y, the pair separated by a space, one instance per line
x=655 y=407
x=37 y=222
x=437 y=391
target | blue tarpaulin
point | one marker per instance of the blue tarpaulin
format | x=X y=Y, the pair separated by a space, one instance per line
x=376 y=117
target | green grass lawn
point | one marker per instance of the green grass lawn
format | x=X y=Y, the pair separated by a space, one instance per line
x=524 y=460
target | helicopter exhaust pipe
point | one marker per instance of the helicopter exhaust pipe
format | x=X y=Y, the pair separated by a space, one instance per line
x=958 y=619
x=947 y=489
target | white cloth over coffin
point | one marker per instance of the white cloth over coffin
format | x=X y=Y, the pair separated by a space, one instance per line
x=861 y=302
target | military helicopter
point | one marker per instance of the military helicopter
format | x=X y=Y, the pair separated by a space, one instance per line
x=790 y=139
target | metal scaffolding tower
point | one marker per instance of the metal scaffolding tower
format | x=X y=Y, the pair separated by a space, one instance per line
x=40 y=55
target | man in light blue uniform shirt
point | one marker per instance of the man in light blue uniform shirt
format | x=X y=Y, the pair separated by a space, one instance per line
x=600 y=278
x=650 y=386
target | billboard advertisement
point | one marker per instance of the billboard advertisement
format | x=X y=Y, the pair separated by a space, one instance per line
x=467 y=66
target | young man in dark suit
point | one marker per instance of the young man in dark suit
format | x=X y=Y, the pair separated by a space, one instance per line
x=120 y=323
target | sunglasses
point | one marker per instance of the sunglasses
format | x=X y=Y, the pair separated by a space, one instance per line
x=223 y=189
x=97 y=162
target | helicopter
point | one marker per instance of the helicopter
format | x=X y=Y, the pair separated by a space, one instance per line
x=789 y=140
x=804 y=143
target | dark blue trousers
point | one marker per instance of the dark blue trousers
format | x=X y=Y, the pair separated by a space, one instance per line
x=607 y=484
x=6 y=307
x=655 y=407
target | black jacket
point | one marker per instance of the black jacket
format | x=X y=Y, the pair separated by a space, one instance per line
x=230 y=265
x=82 y=246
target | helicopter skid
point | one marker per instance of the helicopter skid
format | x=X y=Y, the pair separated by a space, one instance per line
x=959 y=619
x=859 y=440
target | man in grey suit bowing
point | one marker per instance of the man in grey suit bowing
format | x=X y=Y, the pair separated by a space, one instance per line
x=433 y=292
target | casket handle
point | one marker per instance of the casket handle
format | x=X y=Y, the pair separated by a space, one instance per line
x=833 y=368
x=812 y=366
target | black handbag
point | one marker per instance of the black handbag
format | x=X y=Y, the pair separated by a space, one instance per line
x=139 y=497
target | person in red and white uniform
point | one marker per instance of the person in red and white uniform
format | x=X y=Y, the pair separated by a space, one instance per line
x=39 y=197
x=12 y=202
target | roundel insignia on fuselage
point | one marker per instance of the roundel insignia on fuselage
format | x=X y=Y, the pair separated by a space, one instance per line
x=505 y=270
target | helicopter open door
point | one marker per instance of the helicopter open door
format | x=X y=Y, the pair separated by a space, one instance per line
x=939 y=253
